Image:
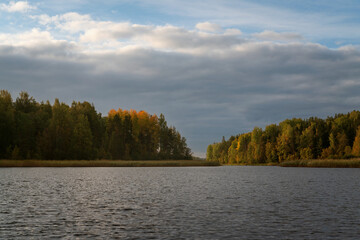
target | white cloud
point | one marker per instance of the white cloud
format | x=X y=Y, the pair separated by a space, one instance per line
x=33 y=37
x=104 y=31
x=20 y=6
x=112 y=35
x=275 y=36
x=71 y=22
x=39 y=44
x=208 y=27
x=44 y=19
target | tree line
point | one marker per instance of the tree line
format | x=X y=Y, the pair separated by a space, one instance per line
x=33 y=130
x=292 y=139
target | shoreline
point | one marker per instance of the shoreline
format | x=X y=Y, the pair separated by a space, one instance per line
x=314 y=163
x=106 y=163
x=311 y=163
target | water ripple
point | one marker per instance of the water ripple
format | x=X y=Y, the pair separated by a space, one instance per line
x=179 y=203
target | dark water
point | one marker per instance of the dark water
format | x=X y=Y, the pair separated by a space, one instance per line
x=180 y=203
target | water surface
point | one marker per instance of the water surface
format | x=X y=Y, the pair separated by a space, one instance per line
x=180 y=203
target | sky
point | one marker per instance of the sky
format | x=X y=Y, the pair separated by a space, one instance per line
x=213 y=68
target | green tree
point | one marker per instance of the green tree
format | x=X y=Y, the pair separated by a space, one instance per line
x=209 y=153
x=285 y=143
x=61 y=129
x=7 y=124
x=38 y=130
x=81 y=140
x=271 y=152
x=233 y=153
x=25 y=128
x=164 y=151
x=257 y=146
x=96 y=124
x=243 y=146
x=116 y=142
x=307 y=143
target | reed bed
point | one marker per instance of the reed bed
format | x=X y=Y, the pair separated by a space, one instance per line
x=324 y=163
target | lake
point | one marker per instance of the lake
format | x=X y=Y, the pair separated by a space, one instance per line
x=230 y=202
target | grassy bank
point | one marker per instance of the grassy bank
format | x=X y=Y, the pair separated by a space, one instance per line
x=105 y=163
x=324 y=163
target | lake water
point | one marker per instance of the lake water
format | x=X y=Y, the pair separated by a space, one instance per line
x=180 y=203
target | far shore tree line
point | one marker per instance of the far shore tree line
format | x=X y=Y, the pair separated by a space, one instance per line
x=33 y=130
x=293 y=139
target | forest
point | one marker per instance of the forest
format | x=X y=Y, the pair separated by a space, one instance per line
x=335 y=137
x=33 y=130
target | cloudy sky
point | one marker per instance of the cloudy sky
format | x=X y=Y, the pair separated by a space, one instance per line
x=214 y=68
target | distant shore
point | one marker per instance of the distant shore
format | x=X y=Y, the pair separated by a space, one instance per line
x=106 y=163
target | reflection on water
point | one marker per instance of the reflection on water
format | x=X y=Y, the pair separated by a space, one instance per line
x=180 y=203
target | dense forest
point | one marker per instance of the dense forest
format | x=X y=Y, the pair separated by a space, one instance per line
x=292 y=139
x=33 y=130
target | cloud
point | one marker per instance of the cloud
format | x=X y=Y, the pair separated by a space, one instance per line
x=33 y=37
x=182 y=40
x=275 y=36
x=38 y=44
x=20 y=6
x=233 y=31
x=115 y=35
x=71 y=22
x=165 y=38
x=208 y=27
x=333 y=20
